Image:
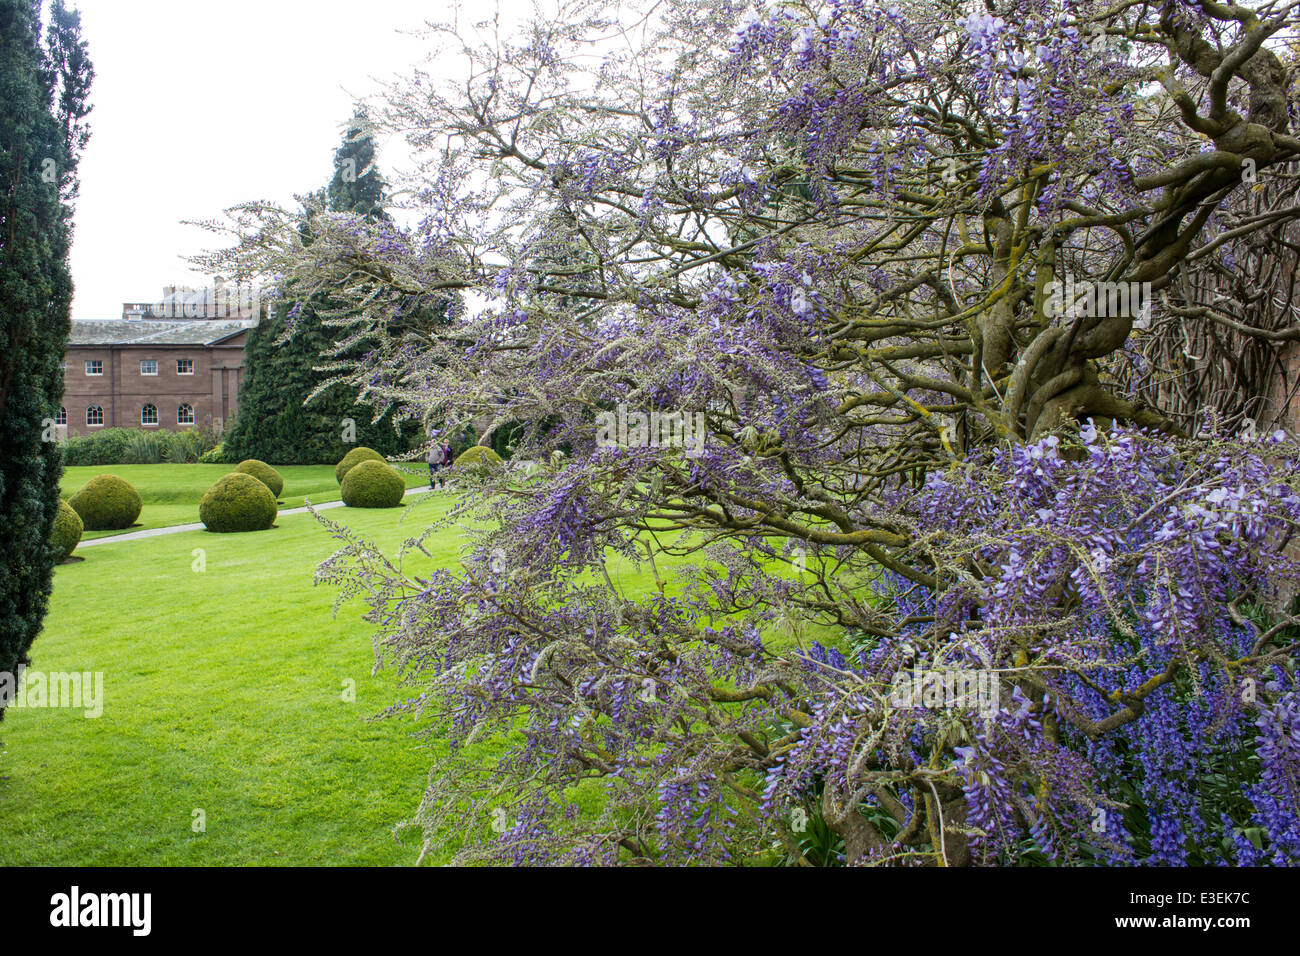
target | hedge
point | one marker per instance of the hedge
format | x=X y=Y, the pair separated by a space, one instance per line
x=263 y=473
x=356 y=455
x=237 y=502
x=66 y=534
x=138 y=446
x=373 y=484
x=107 y=503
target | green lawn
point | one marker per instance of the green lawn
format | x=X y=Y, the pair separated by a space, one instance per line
x=171 y=493
x=223 y=693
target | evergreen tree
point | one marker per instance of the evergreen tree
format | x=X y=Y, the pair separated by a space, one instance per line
x=276 y=423
x=43 y=105
x=279 y=419
x=357 y=185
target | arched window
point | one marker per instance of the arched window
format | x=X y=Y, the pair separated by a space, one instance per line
x=149 y=415
x=185 y=414
x=61 y=416
x=95 y=415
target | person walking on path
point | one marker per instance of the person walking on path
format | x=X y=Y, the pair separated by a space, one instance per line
x=437 y=459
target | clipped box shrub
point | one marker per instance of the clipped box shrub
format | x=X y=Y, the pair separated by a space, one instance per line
x=263 y=473
x=478 y=458
x=107 y=503
x=237 y=502
x=373 y=484
x=354 y=457
x=66 y=534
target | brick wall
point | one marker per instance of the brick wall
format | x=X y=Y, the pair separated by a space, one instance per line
x=123 y=390
x=1285 y=397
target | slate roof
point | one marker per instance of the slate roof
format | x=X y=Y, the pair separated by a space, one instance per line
x=157 y=332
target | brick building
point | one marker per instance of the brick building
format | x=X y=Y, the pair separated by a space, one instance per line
x=1283 y=408
x=146 y=373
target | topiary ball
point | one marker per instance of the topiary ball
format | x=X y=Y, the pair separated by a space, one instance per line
x=66 y=534
x=237 y=502
x=479 y=458
x=373 y=484
x=355 y=456
x=263 y=473
x=106 y=503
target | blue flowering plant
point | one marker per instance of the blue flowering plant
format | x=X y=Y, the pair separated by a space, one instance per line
x=934 y=586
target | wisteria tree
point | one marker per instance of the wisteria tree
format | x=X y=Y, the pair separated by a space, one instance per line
x=885 y=260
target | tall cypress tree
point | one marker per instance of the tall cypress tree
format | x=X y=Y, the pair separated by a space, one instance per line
x=43 y=105
x=276 y=422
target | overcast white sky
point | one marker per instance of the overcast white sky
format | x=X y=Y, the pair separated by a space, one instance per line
x=199 y=105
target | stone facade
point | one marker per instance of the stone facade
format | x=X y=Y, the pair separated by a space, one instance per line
x=142 y=373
